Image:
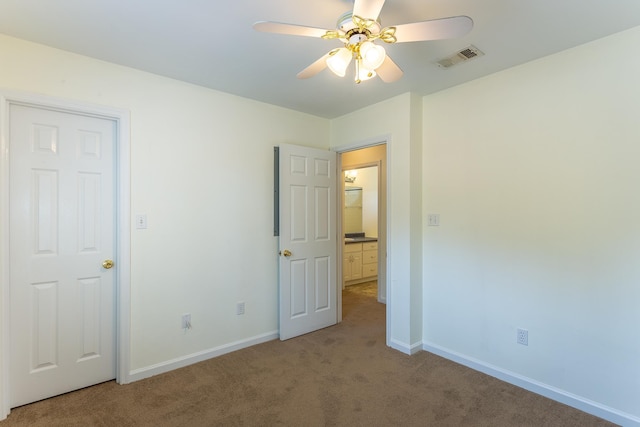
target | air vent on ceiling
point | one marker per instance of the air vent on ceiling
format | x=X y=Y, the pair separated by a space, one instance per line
x=463 y=55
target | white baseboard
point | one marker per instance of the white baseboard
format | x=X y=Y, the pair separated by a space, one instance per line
x=578 y=402
x=404 y=347
x=190 y=359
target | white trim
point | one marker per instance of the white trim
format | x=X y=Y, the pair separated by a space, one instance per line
x=554 y=393
x=389 y=254
x=190 y=359
x=366 y=143
x=4 y=260
x=123 y=244
x=405 y=348
x=123 y=220
x=339 y=201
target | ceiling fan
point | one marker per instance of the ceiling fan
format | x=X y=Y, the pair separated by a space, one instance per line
x=359 y=30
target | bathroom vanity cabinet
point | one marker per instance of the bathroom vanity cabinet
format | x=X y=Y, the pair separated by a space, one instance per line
x=360 y=261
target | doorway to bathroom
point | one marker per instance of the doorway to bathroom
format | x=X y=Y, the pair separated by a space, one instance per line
x=363 y=219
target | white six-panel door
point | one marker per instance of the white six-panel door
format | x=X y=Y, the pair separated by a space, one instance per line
x=308 y=282
x=62 y=230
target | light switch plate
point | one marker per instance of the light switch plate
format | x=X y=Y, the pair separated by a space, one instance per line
x=433 y=220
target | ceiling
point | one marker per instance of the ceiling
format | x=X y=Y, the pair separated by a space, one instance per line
x=211 y=42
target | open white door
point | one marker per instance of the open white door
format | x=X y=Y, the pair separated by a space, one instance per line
x=308 y=278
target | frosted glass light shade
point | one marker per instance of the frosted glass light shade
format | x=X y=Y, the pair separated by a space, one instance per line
x=372 y=55
x=339 y=61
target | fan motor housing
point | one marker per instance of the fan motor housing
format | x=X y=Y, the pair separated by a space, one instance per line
x=357 y=37
x=345 y=23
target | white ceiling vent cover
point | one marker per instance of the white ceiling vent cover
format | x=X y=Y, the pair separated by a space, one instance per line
x=463 y=55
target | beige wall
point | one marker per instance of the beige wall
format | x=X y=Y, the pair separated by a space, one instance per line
x=534 y=172
x=201 y=167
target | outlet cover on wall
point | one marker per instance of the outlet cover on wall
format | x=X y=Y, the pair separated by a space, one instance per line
x=522 y=336
x=141 y=221
x=186 y=321
x=240 y=308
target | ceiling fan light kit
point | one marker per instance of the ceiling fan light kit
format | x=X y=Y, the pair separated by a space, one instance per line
x=339 y=60
x=358 y=30
x=372 y=55
x=359 y=47
x=358 y=34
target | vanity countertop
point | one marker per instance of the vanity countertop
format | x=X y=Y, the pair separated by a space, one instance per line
x=358 y=238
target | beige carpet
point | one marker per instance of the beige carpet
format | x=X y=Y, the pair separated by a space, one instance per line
x=340 y=376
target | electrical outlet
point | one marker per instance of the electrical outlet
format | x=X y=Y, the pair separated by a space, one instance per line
x=186 y=321
x=240 y=308
x=522 y=337
x=141 y=221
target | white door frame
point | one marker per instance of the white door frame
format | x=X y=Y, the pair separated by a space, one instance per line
x=123 y=226
x=384 y=139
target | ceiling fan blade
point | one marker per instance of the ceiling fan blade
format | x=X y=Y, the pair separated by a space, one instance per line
x=436 y=29
x=368 y=9
x=389 y=72
x=314 y=68
x=291 y=29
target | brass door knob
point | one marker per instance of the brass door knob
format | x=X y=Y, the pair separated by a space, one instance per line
x=107 y=263
x=286 y=253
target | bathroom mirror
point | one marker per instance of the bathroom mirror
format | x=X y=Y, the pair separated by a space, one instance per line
x=353 y=210
x=361 y=201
